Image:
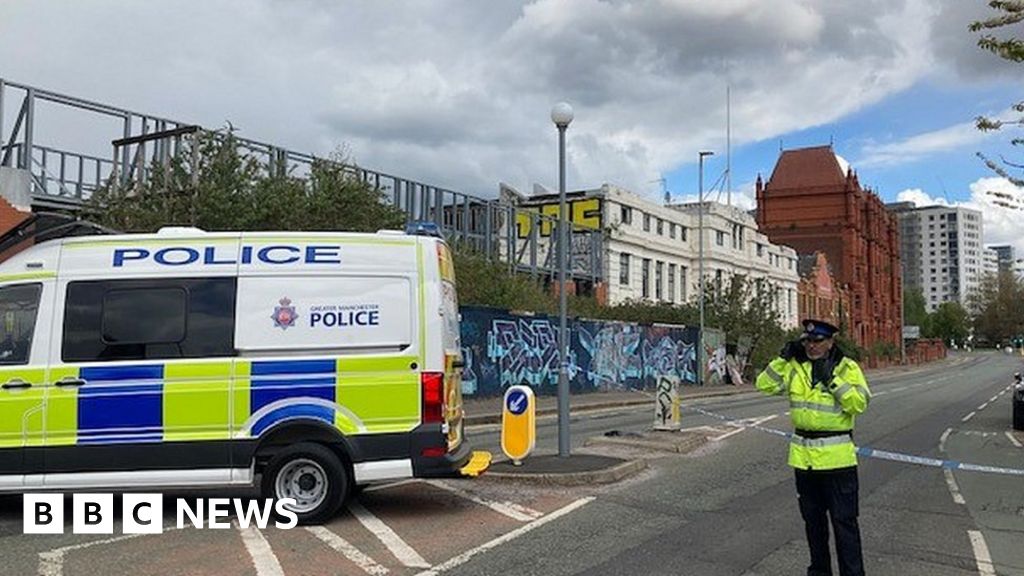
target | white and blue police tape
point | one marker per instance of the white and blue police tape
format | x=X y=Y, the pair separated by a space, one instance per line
x=872 y=452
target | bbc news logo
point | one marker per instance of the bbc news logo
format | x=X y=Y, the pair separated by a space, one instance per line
x=144 y=513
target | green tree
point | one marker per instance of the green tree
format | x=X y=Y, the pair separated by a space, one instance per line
x=915 y=313
x=744 y=307
x=998 y=306
x=215 y=185
x=950 y=322
x=1010 y=12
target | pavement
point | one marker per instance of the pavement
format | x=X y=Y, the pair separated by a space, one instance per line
x=583 y=469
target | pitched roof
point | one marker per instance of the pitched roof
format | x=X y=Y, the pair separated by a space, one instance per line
x=807 y=167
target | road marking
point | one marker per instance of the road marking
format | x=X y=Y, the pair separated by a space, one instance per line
x=262 y=555
x=994 y=398
x=402 y=551
x=942 y=440
x=981 y=555
x=377 y=487
x=466 y=556
x=510 y=509
x=1012 y=439
x=983 y=406
x=51 y=563
x=953 y=488
x=900 y=389
x=347 y=550
x=877 y=394
x=968 y=417
x=743 y=424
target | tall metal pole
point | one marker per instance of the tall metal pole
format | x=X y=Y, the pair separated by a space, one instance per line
x=563 y=376
x=700 y=261
x=561 y=115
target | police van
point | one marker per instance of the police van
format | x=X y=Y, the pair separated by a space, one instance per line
x=310 y=362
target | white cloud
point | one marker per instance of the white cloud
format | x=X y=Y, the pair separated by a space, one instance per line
x=1001 y=204
x=957 y=137
x=456 y=93
x=920 y=198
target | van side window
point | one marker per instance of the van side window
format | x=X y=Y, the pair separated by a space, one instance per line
x=149 y=319
x=18 y=307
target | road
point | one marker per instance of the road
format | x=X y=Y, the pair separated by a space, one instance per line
x=727 y=509
x=731 y=509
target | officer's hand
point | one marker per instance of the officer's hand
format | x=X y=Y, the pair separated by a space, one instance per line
x=790 y=350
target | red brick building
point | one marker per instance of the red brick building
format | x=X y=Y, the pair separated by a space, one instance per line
x=818 y=294
x=812 y=204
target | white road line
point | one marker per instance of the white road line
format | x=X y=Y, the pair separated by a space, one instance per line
x=900 y=389
x=968 y=417
x=347 y=550
x=466 y=556
x=994 y=398
x=510 y=509
x=402 y=551
x=1013 y=439
x=51 y=562
x=377 y=487
x=981 y=555
x=262 y=555
x=953 y=488
x=983 y=406
x=743 y=426
x=882 y=393
x=942 y=440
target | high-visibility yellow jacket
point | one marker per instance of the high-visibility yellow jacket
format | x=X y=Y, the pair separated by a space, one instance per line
x=824 y=413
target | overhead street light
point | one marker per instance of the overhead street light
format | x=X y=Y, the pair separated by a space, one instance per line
x=561 y=115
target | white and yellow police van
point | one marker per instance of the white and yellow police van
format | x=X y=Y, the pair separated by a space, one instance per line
x=314 y=362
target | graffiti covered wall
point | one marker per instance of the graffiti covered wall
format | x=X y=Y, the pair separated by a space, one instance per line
x=501 y=349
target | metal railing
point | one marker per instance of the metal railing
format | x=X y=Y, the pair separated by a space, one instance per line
x=62 y=178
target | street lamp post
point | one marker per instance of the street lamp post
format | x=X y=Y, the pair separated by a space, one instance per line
x=561 y=115
x=700 y=260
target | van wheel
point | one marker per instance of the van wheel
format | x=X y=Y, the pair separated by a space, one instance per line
x=310 y=474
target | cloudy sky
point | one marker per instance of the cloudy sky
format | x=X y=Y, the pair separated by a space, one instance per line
x=457 y=93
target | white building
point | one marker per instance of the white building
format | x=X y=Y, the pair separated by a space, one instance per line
x=942 y=252
x=651 y=251
x=991 y=258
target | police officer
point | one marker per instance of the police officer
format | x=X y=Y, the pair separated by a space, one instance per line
x=826 y=391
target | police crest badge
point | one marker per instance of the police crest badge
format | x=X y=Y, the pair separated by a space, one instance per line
x=284 y=316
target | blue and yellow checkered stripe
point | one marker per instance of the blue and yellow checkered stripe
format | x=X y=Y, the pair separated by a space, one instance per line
x=219 y=400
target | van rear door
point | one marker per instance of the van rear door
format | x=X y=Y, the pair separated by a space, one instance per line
x=453 y=360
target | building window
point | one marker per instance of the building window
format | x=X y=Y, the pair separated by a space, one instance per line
x=626 y=215
x=647 y=222
x=671 y=282
x=672 y=231
x=719 y=237
x=645 y=278
x=624 y=269
x=661 y=228
x=683 y=289
x=760 y=250
x=790 y=261
x=658 y=274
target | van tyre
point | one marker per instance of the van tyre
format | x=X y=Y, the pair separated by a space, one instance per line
x=311 y=474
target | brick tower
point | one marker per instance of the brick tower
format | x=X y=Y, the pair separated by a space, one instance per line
x=814 y=202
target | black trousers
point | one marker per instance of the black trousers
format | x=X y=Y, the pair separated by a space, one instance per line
x=825 y=495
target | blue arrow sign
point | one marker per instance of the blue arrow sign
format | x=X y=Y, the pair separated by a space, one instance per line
x=516 y=402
